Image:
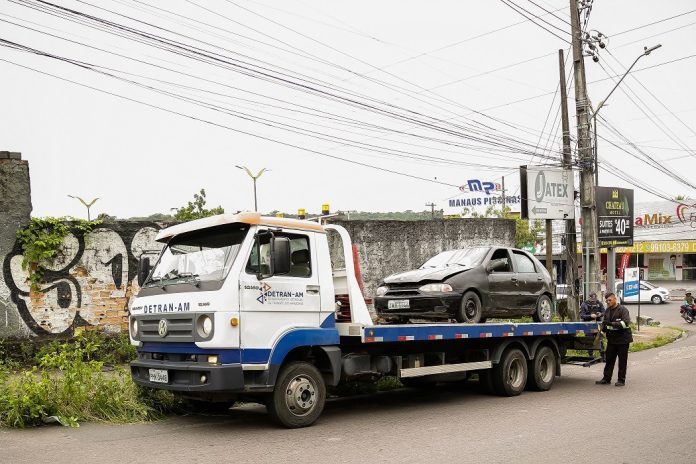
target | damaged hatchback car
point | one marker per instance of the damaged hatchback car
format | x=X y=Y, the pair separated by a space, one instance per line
x=469 y=285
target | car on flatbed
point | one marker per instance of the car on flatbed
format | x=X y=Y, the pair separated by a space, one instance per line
x=470 y=285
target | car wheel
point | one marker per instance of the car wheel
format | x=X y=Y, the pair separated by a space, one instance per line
x=656 y=299
x=470 y=309
x=542 y=370
x=544 y=309
x=509 y=376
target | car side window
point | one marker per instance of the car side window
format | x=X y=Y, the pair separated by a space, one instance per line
x=644 y=287
x=501 y=254
x=523 y=263
x=300 y=258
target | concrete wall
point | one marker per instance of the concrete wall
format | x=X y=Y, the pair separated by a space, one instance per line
x=92 y=281
x=15 y=211
x=387 y=247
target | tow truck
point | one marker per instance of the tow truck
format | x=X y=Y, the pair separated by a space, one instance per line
x=247 y=307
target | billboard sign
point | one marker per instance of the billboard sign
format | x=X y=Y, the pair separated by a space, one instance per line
x=547 y=193
x=614 y=216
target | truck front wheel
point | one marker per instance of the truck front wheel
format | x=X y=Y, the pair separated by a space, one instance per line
x=299 y=395
x=509 y=376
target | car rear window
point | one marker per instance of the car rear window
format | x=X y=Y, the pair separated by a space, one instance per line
x=523 y=263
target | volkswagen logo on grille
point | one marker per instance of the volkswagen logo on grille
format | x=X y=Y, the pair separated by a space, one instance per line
x=162 y=328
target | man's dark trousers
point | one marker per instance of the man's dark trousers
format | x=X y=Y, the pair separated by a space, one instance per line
x=614 y=350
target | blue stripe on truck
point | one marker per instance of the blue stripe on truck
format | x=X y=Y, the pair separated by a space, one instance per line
x=290 y=340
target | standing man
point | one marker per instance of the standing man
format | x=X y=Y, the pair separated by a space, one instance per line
x=617 y=327
x=592 y=310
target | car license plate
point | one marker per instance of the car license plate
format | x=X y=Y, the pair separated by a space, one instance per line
x=159 y=376
x=398 y=304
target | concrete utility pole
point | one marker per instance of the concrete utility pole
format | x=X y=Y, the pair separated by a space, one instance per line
x=587 y=185
x=432 y=209
x=570 y=239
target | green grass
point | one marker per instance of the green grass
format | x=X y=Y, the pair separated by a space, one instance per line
x=68 y=381
x=657 y=342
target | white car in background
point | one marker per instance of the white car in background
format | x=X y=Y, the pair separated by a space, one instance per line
x=648 y=292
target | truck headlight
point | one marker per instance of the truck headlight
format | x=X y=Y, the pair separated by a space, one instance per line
x=134 y=328
x=204 y=326
x=381 y=291
x=443 y=288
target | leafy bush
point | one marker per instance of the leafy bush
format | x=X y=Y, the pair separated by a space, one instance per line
x=41 y=241
x=70 y=384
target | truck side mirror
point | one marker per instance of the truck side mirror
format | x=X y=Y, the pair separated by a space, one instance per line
x=143 y=269
x=280 y=255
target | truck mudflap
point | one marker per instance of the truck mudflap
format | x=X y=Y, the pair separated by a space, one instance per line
x=188 y=377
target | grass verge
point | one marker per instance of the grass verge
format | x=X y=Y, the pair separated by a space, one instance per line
x=67 y=384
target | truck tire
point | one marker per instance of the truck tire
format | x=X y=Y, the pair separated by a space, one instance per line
x=470 y=309
x=509 y=376
x=544 y=309
x=298 y=397
x=542 y=370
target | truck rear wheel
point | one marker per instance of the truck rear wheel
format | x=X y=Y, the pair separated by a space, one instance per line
x=542 y=369
x=509 y=376
x=299 y=395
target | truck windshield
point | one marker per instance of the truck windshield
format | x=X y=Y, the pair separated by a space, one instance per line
x=463 y=257
x=199 y=256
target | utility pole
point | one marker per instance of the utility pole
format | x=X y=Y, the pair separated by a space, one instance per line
x=432 y=209
x=504 y=203
x=571 y=245
x=587 y=186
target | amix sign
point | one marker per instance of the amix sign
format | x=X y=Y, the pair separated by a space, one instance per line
x=614 y=216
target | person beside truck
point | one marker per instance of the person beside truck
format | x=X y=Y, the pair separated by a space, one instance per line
x=616 y=326
x=592 y=310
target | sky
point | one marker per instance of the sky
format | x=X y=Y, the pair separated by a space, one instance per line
x=368 y=106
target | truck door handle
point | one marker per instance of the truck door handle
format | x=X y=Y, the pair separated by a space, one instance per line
x=514 y=280
x=313 y=289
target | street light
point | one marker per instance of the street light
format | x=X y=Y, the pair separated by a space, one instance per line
x=87 y=205
x=253 y=178
x=611 y=257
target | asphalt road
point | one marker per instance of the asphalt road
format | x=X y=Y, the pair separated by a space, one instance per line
x=652 y=419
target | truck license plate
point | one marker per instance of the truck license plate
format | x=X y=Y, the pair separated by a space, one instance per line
x=159 y=376
x=398 y=304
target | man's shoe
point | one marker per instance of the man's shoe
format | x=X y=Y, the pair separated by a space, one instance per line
x=603 y=382
x=620 y=383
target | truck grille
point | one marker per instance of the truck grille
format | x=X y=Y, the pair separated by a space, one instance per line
x=179 y=328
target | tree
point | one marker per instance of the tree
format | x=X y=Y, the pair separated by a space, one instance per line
x=196 y=209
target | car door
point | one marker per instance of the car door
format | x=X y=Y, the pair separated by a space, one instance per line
x=502 y=284
x=273 y=306
x=645 y=294
x=530 y=281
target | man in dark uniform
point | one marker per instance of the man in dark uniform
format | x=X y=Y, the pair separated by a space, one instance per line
x=617 y=328
x=592 y=310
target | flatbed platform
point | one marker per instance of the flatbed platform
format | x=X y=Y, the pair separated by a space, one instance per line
x=448 y=331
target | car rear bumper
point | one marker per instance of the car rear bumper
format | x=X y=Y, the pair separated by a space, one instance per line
x=440 y=305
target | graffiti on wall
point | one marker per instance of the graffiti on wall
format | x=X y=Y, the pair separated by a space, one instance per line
x=89 y=284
